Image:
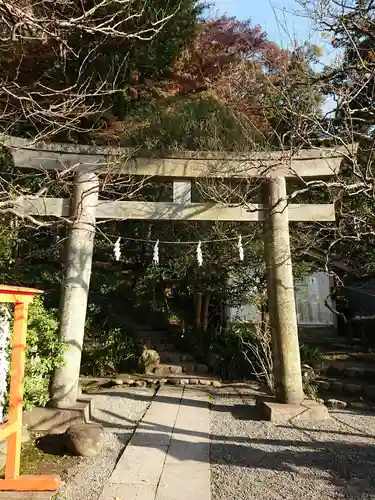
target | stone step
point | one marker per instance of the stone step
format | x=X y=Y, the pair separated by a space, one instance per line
x=349 y=386
x=153 y=333
x=92 y=384
x=175 y=357
x=360 y=372
x=167 y=369
x=159 y=347
x=156 y=341
x=189 y=368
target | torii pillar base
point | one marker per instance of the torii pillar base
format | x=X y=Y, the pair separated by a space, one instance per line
x=281 y=413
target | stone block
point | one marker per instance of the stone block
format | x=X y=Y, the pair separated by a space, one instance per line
x=140 y=383
x=308 y=411
x=183 y=381
x=57 y=420
x=165 y=370
x=204 y=381
x=336 y=403
x=85 y=440
x=174 y=380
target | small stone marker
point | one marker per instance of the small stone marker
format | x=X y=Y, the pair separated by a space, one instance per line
x=85 y=440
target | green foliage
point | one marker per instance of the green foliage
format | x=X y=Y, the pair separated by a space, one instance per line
x=99 y=67
x=311 y=355
x=193 y=122
x=242 y=349
x=44 y=353
x=229 y=343
x=113 y=351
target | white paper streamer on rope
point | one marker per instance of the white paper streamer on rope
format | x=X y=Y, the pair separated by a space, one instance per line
x=155 y=257
x=240 y=248
x=199 y=254
x=117 y=249
x=4 y=362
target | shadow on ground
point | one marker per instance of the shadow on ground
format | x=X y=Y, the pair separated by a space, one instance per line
x=343 y=457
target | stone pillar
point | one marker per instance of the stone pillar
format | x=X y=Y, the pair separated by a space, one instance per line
x=75 y=287
x=281 y=301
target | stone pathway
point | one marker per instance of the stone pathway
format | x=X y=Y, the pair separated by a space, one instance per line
x=168 y=455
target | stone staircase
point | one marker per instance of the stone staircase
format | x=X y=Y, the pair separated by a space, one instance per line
x=348 y=374
x=172 y=361
x=352 y=380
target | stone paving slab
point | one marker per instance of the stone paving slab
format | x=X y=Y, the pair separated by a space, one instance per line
x=157 y=426
x=128 y=492
x=140 y=465
x=183 y=453
x=168 y=455
x=185 y=482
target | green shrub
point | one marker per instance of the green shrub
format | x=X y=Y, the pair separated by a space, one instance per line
x=245 y=352
x=44 y=353
x=112 y=351
x=242 y=349
x=311 y=355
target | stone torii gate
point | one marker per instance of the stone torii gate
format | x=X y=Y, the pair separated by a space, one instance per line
x=85 y=207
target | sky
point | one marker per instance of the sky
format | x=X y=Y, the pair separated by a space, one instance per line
x=282 y=20
x=284 y=23
x=271 y=15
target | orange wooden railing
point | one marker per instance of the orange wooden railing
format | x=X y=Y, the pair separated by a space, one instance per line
x=12 y=429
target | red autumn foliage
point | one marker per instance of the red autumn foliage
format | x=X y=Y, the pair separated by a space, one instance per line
x=224 y=43
x=236 y=62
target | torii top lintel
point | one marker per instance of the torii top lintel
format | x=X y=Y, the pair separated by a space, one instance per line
x=318 y=163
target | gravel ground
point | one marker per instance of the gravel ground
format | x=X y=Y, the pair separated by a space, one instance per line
x=251 y=459
x=119 y=411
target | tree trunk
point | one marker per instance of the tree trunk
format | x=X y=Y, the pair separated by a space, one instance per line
x=205 y=311
x=198 y=310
